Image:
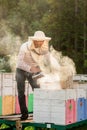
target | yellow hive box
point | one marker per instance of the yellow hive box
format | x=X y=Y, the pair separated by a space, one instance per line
x=8 y=105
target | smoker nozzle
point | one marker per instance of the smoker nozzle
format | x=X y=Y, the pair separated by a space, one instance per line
x=37 y=75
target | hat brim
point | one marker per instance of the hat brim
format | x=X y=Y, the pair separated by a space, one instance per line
x=40 y=38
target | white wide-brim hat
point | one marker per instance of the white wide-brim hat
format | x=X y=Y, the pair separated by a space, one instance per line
x=39 y=35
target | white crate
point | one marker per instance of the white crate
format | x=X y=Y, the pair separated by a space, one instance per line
x=70 y=94
x=41 y=102
x=42 y=116
x=58 y=109
x=8 y=91
x=80 y=77
x=41 y=119
x=41 y=105
x=57 y=94
x=41 y=108
x=77 y=77
x=7 y=79
x=58 y=102
x=41 y=94
x=80 y=93
x=84 y=77
x=83 y=85
x=7 y=76
x=50 y=105
x=58 y=118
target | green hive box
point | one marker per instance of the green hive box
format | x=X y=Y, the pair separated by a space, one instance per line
x=0 y=105
x=30 y=102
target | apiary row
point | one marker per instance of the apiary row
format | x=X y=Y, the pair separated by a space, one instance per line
x=9 y=96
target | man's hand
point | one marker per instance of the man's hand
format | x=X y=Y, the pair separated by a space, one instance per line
x=35 y=69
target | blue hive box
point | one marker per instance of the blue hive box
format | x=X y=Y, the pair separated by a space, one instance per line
x=81 y=109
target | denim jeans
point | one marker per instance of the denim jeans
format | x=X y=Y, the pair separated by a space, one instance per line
x=21 y=76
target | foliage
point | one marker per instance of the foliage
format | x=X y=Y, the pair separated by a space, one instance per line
x=4 y=126
x=29 y=128
x=4 y=65
x=65 y=21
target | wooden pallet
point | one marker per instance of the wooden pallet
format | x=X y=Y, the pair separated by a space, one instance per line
x=16 y=117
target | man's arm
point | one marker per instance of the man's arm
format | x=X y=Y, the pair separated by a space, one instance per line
x=21 y=63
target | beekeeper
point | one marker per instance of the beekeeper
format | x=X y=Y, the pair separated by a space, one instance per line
x=27 y=66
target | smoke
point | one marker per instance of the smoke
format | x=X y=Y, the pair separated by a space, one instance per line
x=9 y=47
x=58 y=71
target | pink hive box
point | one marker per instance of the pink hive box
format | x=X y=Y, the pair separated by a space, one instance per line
x=17 y=108
x=70 y=111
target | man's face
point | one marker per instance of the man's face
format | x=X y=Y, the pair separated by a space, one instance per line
x=38 y=44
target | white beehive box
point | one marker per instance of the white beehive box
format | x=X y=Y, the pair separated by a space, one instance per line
x=58 y=110
x=70 y=94
x=7 y=79
x=8 y=85
x=8 y=91
x=77 y=77
x=8 y=94
x=84 y=77
x=58 y=106
x=41 y=106
x=80 y=93
x=42 y=110
x=50 y=105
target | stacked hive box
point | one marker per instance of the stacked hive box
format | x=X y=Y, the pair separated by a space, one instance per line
x=77 y=77
x=42 y=106
x=8 y=94
x=81 y=104
x=70 y=106
x=81 y=89
x=79 y=81
x=54 y=106
x=83 y=97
